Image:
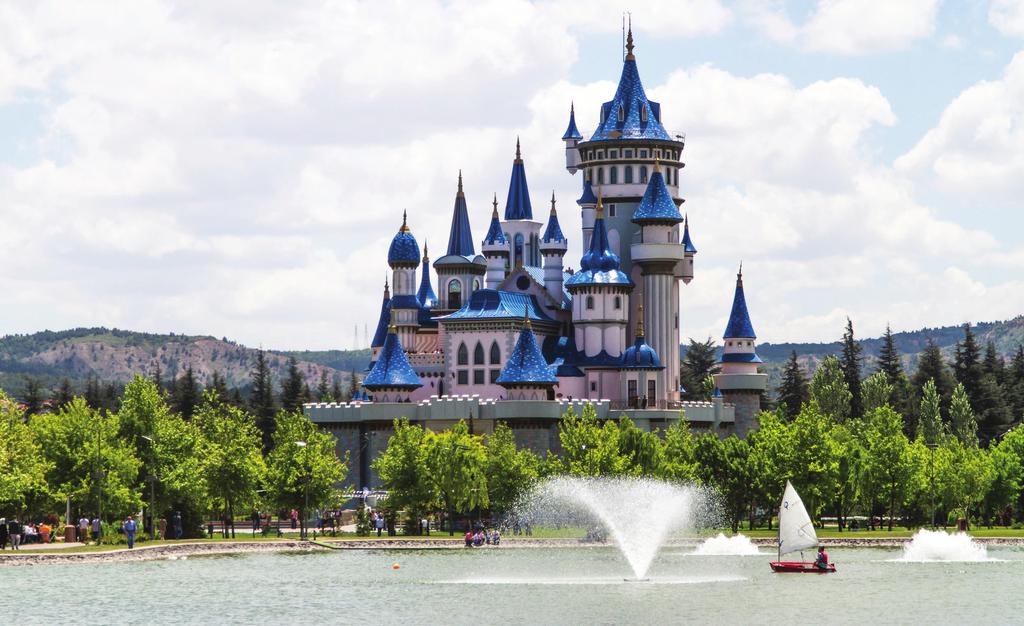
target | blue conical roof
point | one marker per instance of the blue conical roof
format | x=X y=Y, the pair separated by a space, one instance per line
x=631 y=99
x=572 y=132
x=517 y=206
x=426 y=295
x=687 y=242
x=657 y=204
x=460 y=238
x=739 y=320
x=588 y=196
x=404 y=250
x=553 y=232
x=382 y=321
x=392 y=368
x=640 y=355
x=526 y=364
x=495 y=235
x=599 y=265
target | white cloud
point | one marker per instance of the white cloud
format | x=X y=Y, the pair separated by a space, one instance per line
x=847 y=27
x=1007 y=16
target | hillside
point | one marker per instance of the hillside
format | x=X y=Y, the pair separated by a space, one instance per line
x=113 y=355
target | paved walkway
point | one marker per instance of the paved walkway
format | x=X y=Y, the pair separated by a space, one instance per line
x=46 y=546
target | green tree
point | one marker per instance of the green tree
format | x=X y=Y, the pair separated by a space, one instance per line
x=851 y=360
x=930 y=427
x=261 y=398
x=32 y=394
x=589 y=448
x=457 y=467
x=931 y=366
x=292 y=395
x=176 y=463
x=22 y=460
x=679 y=465
x=961 y=417
x=303 y=466
x=889 y=361
x=876 y=391
x=815 y=473
x=233 y=466
x=830 y=390
x=772 y=458
x=323 y=388
x=698 y=364
x=402 y=469
x=967 y=365
x=725 y=465
x=186 y=394
x=643 y=452
x=793 y=391
x=889 y=465
x=510 y=472
x=65 y=392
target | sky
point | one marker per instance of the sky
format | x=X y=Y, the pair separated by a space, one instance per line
x=238 y=168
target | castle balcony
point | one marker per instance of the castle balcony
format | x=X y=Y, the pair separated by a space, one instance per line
x=640 y=252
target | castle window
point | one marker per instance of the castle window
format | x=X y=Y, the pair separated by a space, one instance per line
x=593 y=385
x=454 y=294
x=478 y=354
x=494 y=376
x=495 y=354
x=643 y=154
x=478 y=377
x=611 y=210
x=628 y=154
x=613 y=154
x=643 y=115
x=628 y=171
x=463 y=356
x=600 y=176
x=463 y=378
x=590 y=303
x=622 y=113
x=618 y=302
x=517 y=254
x=476 y=284
x=643 y=174
x=613 y=175
x=600 y=154
x=652 y=390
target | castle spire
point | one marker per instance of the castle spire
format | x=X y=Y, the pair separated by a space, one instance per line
x=517 y=206
x=460 y=237
x=629 y=41
x=519 y=155
x=739 y=326
x=460 y=181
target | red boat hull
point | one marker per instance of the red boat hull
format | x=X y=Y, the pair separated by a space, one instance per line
x=797 y=567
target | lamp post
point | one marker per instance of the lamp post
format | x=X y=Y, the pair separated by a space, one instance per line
x=151 y=479
x=931 y=476
x=305 y=507
x=99 y=471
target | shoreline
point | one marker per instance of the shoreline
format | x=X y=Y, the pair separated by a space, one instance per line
x=185 y=550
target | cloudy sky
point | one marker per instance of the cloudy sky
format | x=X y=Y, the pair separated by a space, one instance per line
x=237 y=168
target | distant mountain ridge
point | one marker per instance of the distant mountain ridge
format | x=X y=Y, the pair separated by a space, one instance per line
x=114 y=355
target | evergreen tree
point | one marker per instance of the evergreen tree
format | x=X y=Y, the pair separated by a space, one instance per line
x=261 y=398
x=292 y=387
x=697 y=366
x=218 y=384
x=158 y=376
x=323 y=390
x=793 y=391
x=111 y=398
x=964 y=425
x=353 y=385
x=931 y=366
x=930 y=422
x=889 y=358
x=93 y=395
x=1015 y=382
x=32 y=396
x=336 y=392
x=851 y=361
x=65 y=394
x=829 y=390
x=186 y=394
x=993 y=364
x=967 y=365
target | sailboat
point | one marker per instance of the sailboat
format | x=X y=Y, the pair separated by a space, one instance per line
x=796 y=533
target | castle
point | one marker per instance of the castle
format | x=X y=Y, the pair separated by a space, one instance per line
x=512 y=335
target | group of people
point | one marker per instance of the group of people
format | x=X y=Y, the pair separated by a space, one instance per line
x=481 y=537
x=17 y=534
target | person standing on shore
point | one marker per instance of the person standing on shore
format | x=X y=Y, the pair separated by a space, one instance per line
x=3 y=533
x=177 y=525
x=96 y=529
x=83 y=529
x=129 y=529
x=14 y=530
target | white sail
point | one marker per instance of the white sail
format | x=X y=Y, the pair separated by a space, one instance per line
x=796 y=532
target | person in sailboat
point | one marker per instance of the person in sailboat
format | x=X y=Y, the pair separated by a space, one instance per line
x=821 y=561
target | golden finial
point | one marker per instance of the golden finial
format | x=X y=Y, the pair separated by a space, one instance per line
x=640 y=321
x=460 y=182
x=392 y=327
x=519 y=155
x=526 y=318
x=553 y=203
x=405 y=225
x=424 y=250
x=629 y=41
x=495 y=212
x=739 y=276
x=657 y=165
x=600 y=205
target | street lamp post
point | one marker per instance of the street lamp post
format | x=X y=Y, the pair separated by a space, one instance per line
x=99 y=472
x=151 y=478
x=305 y=508
x=931 y=476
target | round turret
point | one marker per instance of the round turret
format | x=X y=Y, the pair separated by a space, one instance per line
x=404 y=251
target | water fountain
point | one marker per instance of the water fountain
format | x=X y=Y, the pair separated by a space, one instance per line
x=637 y=514
x=936 y=545
x=721 y=545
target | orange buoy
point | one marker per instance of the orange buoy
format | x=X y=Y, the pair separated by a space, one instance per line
x=396 y=566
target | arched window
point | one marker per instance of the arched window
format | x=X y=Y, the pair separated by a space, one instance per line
x=478 y=354
x=463 y=355
x=643 y=115
x=618 y=302
x=454 y=294
x=643 y=174
x=600 y=176
x=517 y=255
x=622 y=113
x=613 y=175
x=495 y=353
x=476 y=284
x=628 y=172
x=590 y=303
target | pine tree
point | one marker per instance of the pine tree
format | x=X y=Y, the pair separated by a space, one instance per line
x=353 y=384
x=931 y=366
x=930 y=421
x=93 y=395
x=292 y=387
x=261 y=398
x=829 y=390
x=967 y=365
x=993 y=363
x=158 y=376
x=186 y=394
x=964 y=425
x=323 y=389
x=1015 y=376
x=32 y=396
x=336 y=392
x=793 y=391
x=889 y=357
x=851 y=361
x=218 y=384
x=65 y=394
x=700 y=362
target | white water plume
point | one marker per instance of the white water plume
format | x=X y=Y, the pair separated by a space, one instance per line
x=936 y=545
x=637 y=513
x=721 y=545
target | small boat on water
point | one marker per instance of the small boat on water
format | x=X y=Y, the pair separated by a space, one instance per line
x=796 y=534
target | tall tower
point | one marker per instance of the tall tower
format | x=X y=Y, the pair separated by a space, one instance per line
x=553 y=246
x=522 y=232
x=460 y=271
x=382 y=326
x=571 y=138
x=739 y=380
x=495 y=249
x=425 y=294
x=659 y=255
x=404 y=259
